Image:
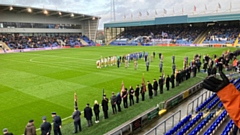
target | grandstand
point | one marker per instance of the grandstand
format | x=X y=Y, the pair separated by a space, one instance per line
x=27 y=27
x=208 y=29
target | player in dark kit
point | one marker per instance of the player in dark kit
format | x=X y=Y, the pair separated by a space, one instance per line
x=45 y=127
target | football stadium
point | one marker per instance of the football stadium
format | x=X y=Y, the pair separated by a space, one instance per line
x=51 y=64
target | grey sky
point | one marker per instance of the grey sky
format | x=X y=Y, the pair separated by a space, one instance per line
x=127 y=7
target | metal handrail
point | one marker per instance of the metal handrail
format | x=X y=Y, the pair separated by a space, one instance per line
x=164 y=122
x=200 y=97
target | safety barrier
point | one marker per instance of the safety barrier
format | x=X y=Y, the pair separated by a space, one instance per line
x=200 y=97
x=164 y=123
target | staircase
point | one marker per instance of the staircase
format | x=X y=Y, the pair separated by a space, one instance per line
x=4 y=46
x=61 y=42
x=83 y=42
x=202 y=36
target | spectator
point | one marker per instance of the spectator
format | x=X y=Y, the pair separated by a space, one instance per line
x=88 y=115
x=30 y=128
x=96 y=110
x=45 y=127
x=77 y=120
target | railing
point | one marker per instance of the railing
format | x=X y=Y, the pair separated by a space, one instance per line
x=164 y=123
x=200 y=97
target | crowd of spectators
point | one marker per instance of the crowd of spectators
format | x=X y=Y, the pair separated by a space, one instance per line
x=222 y=34
x=19 y=41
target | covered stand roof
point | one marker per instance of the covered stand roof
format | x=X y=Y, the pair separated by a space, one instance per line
x=47 y=12
x=183 y=19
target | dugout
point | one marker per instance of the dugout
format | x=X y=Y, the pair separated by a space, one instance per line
x=30 y=21
x=204 y=22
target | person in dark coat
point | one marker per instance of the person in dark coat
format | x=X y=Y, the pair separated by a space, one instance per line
x=160 y=66
x=88 y=115
x=119 y=101
x=131 y=95
x=125 y=97
x=57 y=124
x=214 y=71
x=137 y=90
x=30 y=128
x=159 y=55
x=161 y=83
x=209 y=71
x=194 y=70
x=77 y=120
x=150 y=92
x=147 y=65
x=172 y=80
x=168 y=82
x=45 y=127
x=143 y=90
x=154 y=54
x=178 y=78
x=5 y=132
x=155 y=87
x=173 y=68
x=96 y=111
x=105 y=106
x=114 y=103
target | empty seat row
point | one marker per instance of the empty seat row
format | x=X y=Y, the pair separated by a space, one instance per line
x=202 y=124
x=213 y=103
x=236 y=81
x=190 y=124
x=199 y=108
x=228 y=128
x=216 y=123
x=179 y=125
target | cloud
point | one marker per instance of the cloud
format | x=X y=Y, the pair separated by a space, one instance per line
x=127 y=7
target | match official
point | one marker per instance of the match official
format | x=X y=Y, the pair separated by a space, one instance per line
x=57 y=124
x=45 y=127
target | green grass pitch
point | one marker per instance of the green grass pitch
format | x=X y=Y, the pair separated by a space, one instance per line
x=33 y=84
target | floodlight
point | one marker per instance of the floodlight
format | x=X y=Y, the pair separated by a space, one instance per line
x=59 y=13
x=11 y=8
x=72 y=15
x=45 y=12
x=29 y=10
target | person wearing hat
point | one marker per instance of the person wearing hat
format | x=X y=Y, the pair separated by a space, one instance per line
x=45 y=127
x=77 y=120
x=88 y=115
x=105 y=106
x=5 y=132
x=30 y=128
x=57 y=124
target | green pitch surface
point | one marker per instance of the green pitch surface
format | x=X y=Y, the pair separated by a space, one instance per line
x=34 y=84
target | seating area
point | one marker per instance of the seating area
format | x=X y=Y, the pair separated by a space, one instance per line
x=179 y=125
x=20 y=41
x=203 y=123
x=190 y=124
x=205 y=103
x=228 y=128
x=222 y=35
x=216 y=123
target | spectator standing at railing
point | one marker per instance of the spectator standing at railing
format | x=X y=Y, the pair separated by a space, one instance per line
x=45 y=127
x=155 y=87
x=137 y=91
x=168 y=82
x=96 y=111
x=57 y=124
x=125 y=97
x=161 y=83
x=150 y=92
x=113 y=103
x=131 y=95
x=119 y=101
x=30 y=128
x=105 y=106
x=172 y=79
x=5 y=132
x=88 y=115
x=77 y=120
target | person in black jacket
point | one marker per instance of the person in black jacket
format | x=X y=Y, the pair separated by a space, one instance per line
x=45 y=127
x=155 y=87
x=172 y=80
x=119 y=101
x=161 y=83
x=96 y=110
x=77 y=120
x=167 y=82
x=125 y=97
x=150 y=92
x=105 y=106
x=143 y=90
x=131 y=94
x=113 y=103
x=5 y=132
x=137 y=93
x=214 y=71
x=88 y=115
x=57 y=124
